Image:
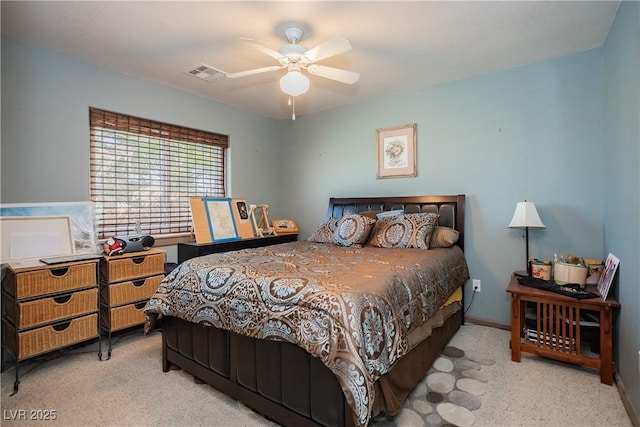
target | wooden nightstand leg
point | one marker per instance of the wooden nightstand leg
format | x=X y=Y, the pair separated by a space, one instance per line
x=606 y=357
x=516 y=327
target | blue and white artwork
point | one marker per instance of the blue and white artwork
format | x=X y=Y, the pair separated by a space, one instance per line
x=82 y=217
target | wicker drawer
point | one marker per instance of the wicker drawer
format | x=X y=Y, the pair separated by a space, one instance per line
x=135 y=267
x=41 y=340
x=50 y=280
x=124 y=316
x=131 y=291
x=51 y=309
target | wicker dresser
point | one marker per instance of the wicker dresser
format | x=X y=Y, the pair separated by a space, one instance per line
x=48 y=307
x=126 y=283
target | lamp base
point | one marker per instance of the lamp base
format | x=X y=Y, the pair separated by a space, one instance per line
x=521 y=273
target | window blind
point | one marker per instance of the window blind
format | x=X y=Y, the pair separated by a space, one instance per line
x=143 y=173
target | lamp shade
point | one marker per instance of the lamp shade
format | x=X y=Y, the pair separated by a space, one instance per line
x=526 y=216
x=294 y=83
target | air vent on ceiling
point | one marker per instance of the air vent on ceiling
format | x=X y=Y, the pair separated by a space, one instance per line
x=206 y=72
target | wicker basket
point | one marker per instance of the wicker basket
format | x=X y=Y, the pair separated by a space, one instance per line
x=53 y=280
x=124 y=316
x=42 y=340
x=135 y=267
x=126 y=292
x=52 y=309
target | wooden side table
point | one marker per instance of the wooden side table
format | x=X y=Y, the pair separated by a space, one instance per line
x=555 y=332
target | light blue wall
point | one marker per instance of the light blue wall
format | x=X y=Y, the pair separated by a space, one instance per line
x=533 y=132
x=622 y=182
x=45 y=134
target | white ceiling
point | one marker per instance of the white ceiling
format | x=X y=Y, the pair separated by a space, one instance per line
x=398 y=46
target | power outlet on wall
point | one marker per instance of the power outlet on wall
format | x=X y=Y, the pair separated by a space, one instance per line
x=476 y=285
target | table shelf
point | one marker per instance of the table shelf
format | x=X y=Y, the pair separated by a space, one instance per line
x=555 y=327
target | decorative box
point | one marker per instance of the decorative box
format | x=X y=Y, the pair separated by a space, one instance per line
x=564 y=273
x=541 y=270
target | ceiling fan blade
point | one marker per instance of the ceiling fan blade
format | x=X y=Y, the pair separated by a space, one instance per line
x=254 y=71
x=343 y=76
x=335 y=46
x=264 y=49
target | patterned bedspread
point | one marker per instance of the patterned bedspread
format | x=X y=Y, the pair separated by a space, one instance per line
x=351 y=307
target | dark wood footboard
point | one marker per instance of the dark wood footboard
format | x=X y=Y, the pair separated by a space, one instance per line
x=280 y=380
x=277 y=379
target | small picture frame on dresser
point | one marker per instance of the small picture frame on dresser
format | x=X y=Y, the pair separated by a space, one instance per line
x=610 y=268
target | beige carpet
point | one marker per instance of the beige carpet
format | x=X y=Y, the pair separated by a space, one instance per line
x=130 y=389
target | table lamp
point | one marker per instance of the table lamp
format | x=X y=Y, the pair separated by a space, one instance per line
x=526 y=216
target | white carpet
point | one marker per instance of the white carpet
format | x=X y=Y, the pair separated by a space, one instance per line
x=130 y=389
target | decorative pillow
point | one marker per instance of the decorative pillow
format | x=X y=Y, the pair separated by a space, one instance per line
x=353 y=229
x=444 y=237
x=325 y=231
x=404 y=231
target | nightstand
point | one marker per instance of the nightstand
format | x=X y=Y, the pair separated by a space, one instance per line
x=126 y=283
x=554 y=331
x=48 y=307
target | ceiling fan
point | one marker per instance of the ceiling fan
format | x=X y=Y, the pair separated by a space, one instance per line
x=294 y=58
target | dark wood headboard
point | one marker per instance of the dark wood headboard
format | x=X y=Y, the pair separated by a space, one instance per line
x=449 y=208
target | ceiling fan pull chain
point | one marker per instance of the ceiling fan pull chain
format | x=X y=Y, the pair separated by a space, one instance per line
x=293 y=103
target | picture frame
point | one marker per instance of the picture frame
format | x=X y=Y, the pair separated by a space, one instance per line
x=82 y=215
x=31 y=237
x=221 y=221
x=242 y=218
x=199 y=220
x=606 y=279
x=396 y=148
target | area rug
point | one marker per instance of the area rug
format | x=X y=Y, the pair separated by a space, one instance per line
x=447 y=395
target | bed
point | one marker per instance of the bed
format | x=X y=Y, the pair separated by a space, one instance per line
x=321 y=332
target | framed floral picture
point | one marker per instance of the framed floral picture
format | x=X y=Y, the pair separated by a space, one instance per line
x=396 y=151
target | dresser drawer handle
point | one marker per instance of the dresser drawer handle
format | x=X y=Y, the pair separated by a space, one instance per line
x=62 y=326
x=140 y=305
x=62 y=299
x=138 y=283
x=138 y=260
x=58 y=272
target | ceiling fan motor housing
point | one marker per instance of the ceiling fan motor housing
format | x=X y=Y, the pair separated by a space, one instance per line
x=293 y=34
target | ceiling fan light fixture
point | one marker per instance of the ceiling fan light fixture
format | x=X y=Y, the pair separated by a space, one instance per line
x=294 y=83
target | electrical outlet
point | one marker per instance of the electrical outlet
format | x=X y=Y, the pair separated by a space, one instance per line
x=476 y=285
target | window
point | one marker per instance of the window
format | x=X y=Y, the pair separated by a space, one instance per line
x=143 y=173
